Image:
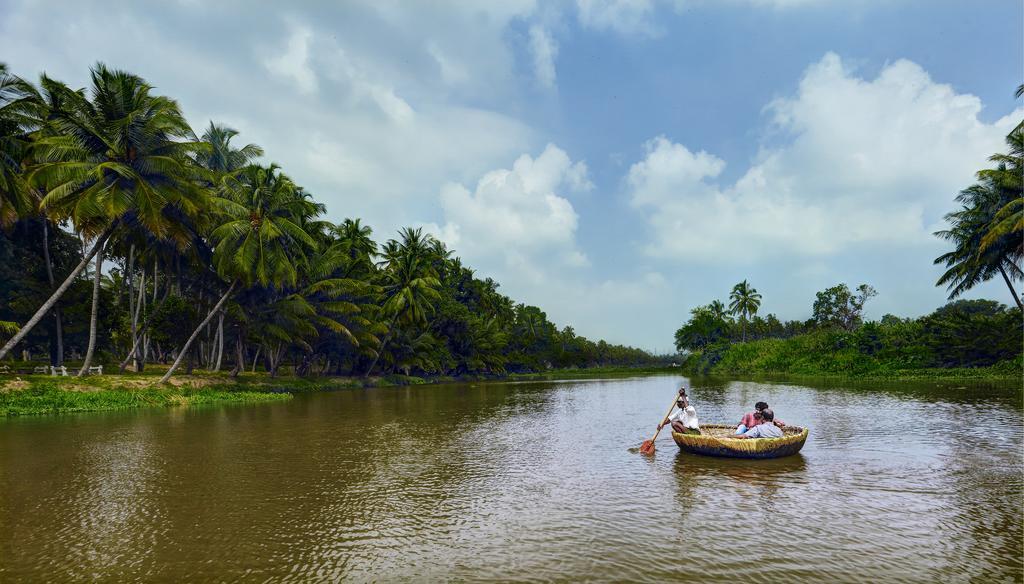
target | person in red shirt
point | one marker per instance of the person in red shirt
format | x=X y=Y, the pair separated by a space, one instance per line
x=749 y=422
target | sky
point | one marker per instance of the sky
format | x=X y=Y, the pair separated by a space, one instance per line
x=615 y=162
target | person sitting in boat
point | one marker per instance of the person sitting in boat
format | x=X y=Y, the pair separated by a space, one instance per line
x=684 y=420
x=749 y=421
x=765 y=426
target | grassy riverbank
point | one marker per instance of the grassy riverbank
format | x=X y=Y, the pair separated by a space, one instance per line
x=837 y=354
x=43 y=394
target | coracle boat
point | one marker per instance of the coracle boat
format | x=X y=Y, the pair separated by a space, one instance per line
x=716 y=440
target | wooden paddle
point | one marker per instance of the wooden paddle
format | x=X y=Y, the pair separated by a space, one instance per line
x=648 y=445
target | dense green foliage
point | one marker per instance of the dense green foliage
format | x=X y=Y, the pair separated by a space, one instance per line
x=223 y=262
x=962 y=334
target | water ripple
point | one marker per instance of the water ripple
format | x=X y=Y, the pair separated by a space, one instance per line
x=529 y=482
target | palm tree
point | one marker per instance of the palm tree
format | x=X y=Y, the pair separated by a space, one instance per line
x=718 y=310
x=221 y=157
x=744 y=301
x=17 y=199
x=24 y=117
x=410 y=282
x=119 y=158
x=988 y=230
x=259 y=241
x=1007 y=225
x=970 y=263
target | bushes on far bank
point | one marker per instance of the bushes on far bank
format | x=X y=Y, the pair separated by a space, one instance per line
x=966 y=334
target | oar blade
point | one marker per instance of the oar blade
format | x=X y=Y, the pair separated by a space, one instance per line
x=647 y=447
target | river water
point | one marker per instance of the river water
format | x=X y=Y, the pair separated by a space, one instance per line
x=520 y=482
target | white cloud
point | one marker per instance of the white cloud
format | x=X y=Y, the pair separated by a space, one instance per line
x=544 y=50
x=293 y=63
x=515 y=218
x=349 y=74
x=627 y=17
x=865 y=162
x=452 y=71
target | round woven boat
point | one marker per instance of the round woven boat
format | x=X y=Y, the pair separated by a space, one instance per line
x=716 y=440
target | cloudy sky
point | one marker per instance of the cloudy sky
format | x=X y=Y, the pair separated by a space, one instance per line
x=616 y=162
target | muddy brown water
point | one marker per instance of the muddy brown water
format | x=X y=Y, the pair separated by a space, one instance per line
x=912 y=482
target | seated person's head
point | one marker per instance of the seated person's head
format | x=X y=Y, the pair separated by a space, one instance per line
x=758 y=418
x=681 y=402
x=767 y=415
x=759 y=406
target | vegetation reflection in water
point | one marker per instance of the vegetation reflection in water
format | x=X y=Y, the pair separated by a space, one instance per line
x=499 y=481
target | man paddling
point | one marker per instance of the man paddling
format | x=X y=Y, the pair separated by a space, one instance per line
x=684 y=420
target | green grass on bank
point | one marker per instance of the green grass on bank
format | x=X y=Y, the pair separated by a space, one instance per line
x=49 y=397
x=42 y=394
x=836 y=354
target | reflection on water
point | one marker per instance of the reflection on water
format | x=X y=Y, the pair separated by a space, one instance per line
x=513 y=481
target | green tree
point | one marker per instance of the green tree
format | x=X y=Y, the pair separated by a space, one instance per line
x=705 y=327
x=119 y=158
x=973 y=333
x=17 y=199
x=987 y=232
x=838 y=306
x=744 y=301
x=409 y=283
x=221 y=157
x=970 y=263
x=259 y=240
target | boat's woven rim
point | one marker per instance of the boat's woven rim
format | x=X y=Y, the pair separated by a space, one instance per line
x=718 y=436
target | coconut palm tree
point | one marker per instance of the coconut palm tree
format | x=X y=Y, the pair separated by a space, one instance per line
x=221 y=157
x=409 y=283
x=970 y=263
x=259 y=240
x=17 y=199
x=1007 y=225
x=24 y=118
x=718 y=310
x=744 y=302
x=120 y=157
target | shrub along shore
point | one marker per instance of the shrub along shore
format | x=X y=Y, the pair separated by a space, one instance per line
x=839 y=354
x=43 y=394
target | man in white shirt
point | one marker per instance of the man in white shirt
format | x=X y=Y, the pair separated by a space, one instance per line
x=684 y=420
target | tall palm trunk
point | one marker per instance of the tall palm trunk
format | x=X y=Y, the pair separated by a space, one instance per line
x=58 y=325
x=1009 y=285
x=387 y=337
x=239 y=356
x=138 y=338
x=95 y=313
x=140 y=363
x=220 y=342
x=196 y=332
x=139 y=304
x=49 y=304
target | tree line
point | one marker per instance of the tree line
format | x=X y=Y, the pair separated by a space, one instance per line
x=715 y=323
x=217 y=260
x=837 y=338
